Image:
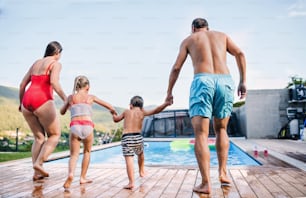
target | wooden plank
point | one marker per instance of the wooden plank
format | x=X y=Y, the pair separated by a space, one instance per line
x=161 y=184
x=187 y=185
x=16 y=181
x=149 y=183
x=242 y=185
x=175 y=184
x=290 y=190
x=259 y=189
x=266 y=181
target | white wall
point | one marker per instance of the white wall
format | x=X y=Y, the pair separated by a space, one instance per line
x=265 y=112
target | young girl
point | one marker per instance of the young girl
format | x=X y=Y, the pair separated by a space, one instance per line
x=81 y=126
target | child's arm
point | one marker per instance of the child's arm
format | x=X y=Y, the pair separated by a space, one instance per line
x=104 y=104
x=118 y=118
x=66 y=105
x=157 y=109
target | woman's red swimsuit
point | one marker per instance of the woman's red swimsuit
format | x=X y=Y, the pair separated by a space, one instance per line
x=39 y=92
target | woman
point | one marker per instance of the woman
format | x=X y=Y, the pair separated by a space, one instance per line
x=38 y=108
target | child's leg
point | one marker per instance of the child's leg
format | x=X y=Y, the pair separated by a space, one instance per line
x=130 y=171
x=86 y=158
x=141 y=164
x=74 y=155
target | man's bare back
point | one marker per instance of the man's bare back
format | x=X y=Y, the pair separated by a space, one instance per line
x=208 y=49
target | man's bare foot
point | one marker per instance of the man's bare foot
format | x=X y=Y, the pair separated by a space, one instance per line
x=84 y=181
x=202 y=189
x=68 y=182
x=41 y=170
x=224 y=180
x=129 y=186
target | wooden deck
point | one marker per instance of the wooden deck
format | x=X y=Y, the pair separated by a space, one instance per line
x=262 y=181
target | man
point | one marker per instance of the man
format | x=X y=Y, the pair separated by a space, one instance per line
x=211 y=93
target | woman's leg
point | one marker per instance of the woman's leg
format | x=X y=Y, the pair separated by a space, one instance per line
x=87 y=142
x=39 y=137
x=50 y=122
x=74 y=155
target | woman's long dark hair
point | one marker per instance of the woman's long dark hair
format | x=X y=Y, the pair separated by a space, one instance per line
x=53 y=48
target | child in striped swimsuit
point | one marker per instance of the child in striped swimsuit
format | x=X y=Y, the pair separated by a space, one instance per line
x=132 y=141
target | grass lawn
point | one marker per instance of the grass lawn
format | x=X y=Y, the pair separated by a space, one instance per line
x=7 y=156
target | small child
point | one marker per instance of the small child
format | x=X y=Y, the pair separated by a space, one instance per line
x=132 y=141
x=81 y=126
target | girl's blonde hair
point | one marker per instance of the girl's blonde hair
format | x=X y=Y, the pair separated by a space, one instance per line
x=79 y=83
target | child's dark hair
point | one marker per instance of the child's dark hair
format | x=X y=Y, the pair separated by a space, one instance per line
x=137 y=101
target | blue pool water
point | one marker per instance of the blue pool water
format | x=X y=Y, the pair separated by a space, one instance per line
x=161 y=153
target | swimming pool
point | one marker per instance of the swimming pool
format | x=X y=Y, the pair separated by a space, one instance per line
x=161 y=153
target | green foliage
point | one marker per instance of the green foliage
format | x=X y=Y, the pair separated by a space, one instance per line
x=7 y=156
x=296 y=80
x=239 y=104
x=11 y=118
x=118 y=133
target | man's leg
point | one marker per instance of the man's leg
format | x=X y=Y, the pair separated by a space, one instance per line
x=222 y=146
x=202 y=153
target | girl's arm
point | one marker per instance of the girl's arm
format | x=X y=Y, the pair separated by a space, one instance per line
x=118 y=118
x=104 y=104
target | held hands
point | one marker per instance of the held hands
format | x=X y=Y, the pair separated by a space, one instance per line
x=169 y=99
x=113 y=112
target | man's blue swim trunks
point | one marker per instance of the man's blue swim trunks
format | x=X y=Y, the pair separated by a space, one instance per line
x=211 y=95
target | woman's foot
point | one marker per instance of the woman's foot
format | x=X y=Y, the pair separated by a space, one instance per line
x=202 y=188
x=40 y=169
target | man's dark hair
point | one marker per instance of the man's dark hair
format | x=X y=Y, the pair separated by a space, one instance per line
x=137 y=101
x=199 y=23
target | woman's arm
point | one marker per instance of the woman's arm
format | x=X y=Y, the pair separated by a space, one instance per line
x=25 y=81
x=66 y=105
x=54 y=80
